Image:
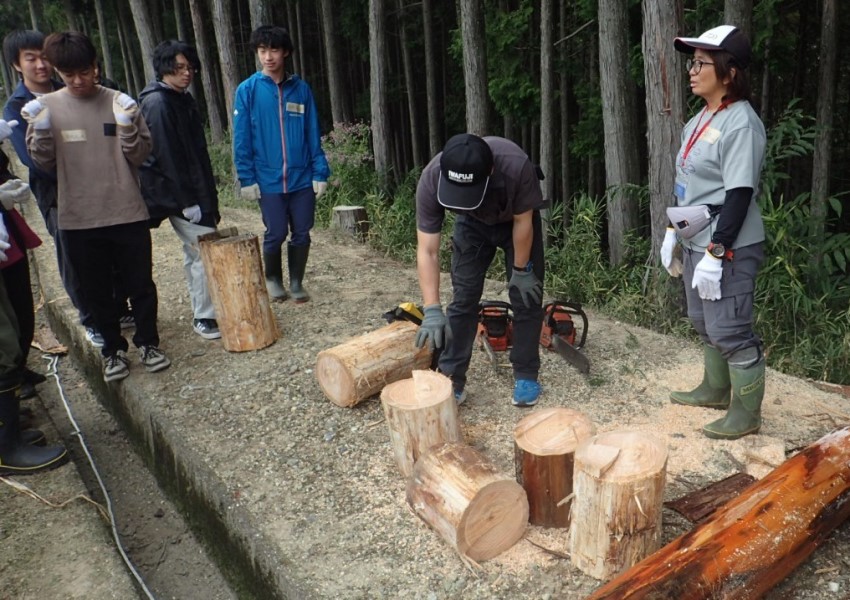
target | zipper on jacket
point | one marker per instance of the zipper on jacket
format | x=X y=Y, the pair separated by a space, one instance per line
x=281 y=117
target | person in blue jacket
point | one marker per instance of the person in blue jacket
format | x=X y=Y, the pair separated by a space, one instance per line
x=279 y=159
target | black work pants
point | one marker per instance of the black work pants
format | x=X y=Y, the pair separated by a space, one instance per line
x=474 y=246
x=19 y=291
x=99 y=256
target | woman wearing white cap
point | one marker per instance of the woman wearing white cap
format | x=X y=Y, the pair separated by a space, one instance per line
x=718 y=224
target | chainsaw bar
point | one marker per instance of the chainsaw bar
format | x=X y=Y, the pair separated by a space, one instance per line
x=570 y=354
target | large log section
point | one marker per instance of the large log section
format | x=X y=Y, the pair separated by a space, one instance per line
x=754 y=541
x=461 y=494
x=362 y=366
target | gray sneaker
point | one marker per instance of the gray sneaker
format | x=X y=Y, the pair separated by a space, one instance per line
x=94 y=337
x=154 y=359
x=127 y=322
x=116 y=366
x=206 y=328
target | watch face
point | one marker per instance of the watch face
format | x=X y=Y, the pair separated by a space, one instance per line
x=717 y=250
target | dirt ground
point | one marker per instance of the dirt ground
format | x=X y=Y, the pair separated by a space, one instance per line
x=320 y=481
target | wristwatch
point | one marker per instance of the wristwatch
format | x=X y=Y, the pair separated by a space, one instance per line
x=717 y=250
x=527 y=268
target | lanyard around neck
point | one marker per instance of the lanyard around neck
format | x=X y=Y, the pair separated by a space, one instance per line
x=698 y=131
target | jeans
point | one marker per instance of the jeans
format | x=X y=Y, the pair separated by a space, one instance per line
x=290 y=214
x=193 y=266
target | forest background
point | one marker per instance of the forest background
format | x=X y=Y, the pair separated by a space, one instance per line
x=593 y=91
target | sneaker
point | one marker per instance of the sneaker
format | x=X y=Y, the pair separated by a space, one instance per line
x=127 y=322
x=526 y=392
x=154 y=359
x=94 y=337
x=206 y=328
x=460 y=396
x=116 y=366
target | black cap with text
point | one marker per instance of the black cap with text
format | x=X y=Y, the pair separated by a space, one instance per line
x=465 y=168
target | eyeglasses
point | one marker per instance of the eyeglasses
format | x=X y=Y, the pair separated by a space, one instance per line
x=184 y=68
x=695 y=65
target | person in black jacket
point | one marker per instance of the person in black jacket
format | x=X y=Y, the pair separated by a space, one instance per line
x=177 y=178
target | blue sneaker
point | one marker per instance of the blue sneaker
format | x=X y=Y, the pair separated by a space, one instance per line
x=460 y=396
x=526 y=392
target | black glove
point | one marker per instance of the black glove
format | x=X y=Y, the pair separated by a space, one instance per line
x=529 y=287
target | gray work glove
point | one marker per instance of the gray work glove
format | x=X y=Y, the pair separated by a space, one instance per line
x=529 y=287
x=13 y=191
x=192 y=213
x=434 y=329
x=36 y=114
x=250 y=192
x=4 y=240
x=124 y=109
x=6 y=128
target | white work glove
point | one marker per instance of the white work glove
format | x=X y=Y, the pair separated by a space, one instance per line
x=250 y=192
x=707 y=276
x=4 y=240
x=124 y=109
x=319 y=188
x=192 y=213
x=14 y=190
x=6 y=128
x=670 y=262
x=36 y=114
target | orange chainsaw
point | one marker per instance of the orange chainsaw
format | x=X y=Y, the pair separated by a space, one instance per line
x=559 y=332
x=495 y=328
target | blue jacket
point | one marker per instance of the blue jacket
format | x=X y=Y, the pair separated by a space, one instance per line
x=276 y=137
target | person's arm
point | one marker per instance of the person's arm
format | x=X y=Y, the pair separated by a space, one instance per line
x=243 y=145
x=428 y=266
x=731 y=219
x=169 y=148
x=42 y=148
x=523 y=234
x=12 y=112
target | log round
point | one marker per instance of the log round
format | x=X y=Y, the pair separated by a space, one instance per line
x=460 y=494
x=618 y=484
x=421 y=412
x=362 y=366
x=544 y=446
x=238 y=290
x=352 y=220
x=751 y=543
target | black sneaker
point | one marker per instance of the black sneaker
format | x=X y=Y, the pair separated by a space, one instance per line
x=206 y=328
x=116 y=366
x=127 y=322
x=154 y=359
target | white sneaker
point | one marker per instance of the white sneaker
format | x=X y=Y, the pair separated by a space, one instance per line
x=94 y=337
x=116 y=367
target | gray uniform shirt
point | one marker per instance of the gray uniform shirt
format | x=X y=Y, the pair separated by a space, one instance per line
x=727 y=154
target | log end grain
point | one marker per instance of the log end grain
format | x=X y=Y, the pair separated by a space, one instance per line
x=336 y=381
x=622 y=456
x=494 y=520
x=553 y=431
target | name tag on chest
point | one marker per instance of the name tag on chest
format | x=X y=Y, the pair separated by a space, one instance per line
x=710 y=135
x=294 y=107
x=73 y=135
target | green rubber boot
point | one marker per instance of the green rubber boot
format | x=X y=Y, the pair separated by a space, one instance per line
x=715 y=388
x=744 y=414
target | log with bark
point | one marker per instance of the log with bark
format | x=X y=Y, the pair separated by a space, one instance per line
x=618 y=484
x=360 y=367
x=544 y=446
x=352 y=220
x=753 y=542
x=421 y=412
x=461 y=494
x=238 y=290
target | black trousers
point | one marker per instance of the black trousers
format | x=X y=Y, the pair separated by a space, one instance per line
x=99 y=256
x=19 y=292
x=474 y=246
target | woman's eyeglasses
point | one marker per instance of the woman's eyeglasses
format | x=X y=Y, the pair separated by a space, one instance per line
x=695 y=65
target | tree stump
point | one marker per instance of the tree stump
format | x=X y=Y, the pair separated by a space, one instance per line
x=460 y=493
x=238 y=290
x=618 y=484
x=421 y=412
x=352 y=220
x=362 y=366
x=544 y=444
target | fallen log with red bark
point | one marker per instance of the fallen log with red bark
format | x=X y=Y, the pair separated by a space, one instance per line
x=753 y=542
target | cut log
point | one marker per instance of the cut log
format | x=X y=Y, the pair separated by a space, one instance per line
x=238 y=290
x=618 y=484
x=421 y=412
x=544 y=446
x=753 y=542
x=362 y=366
x=701 y=504
x=352 y=220
x=460 y=493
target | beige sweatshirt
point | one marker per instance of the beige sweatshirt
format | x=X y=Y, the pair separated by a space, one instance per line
x=95 y=160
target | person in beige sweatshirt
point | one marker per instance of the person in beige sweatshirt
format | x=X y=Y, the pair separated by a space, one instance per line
x=95 y=138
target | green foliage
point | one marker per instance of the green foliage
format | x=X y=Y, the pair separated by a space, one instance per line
x=791 y=136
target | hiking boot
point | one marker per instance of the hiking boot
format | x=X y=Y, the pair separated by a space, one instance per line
x=127 y=322
x=715 y=389
x=154 y=359
x=460 y=396
x=206 y=328
x=526 y=392
x=94 y=337
x=116 y=366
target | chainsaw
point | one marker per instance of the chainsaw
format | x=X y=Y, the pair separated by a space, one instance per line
x=495 y=328
x=559 y=332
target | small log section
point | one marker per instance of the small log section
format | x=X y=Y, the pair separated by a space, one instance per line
x=238 y=290
x=352 y=220
x=544 y=446
x=421 y=412
x=460 y=494
x=618 y=484
x=700 y=504
x=362 y=366
x=750 y=544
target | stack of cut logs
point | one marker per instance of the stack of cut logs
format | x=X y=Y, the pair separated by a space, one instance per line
x=607 y=489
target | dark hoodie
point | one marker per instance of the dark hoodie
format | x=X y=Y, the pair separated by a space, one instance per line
x=178 y=173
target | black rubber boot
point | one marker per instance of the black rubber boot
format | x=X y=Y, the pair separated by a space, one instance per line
x=744 y=414
x=273 y=263
x=714 y=391
x=17 y=457
x=297 y=256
